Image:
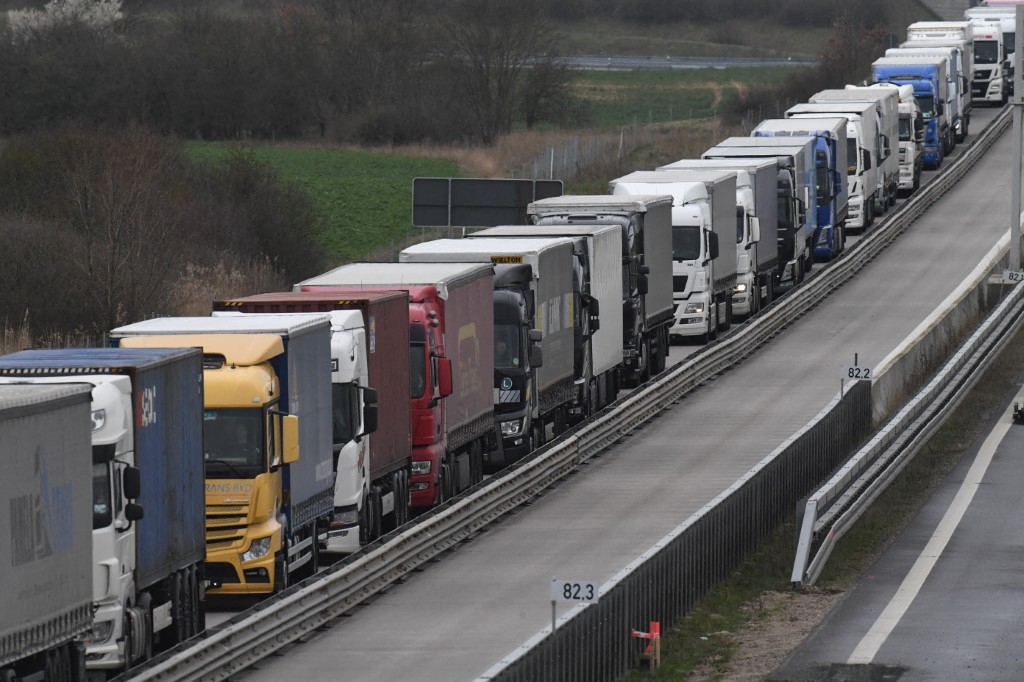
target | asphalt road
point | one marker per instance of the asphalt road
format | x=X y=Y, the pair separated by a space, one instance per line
x=945 y=601
x=464 y=612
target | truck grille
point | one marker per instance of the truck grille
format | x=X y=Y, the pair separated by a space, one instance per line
x=225 y=525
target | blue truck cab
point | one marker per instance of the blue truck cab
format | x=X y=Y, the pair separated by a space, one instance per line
x=831 y=198
x=927 y=77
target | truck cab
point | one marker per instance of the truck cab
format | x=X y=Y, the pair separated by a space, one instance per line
x=267 y=394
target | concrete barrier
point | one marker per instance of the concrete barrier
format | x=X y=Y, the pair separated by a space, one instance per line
x=912 y=363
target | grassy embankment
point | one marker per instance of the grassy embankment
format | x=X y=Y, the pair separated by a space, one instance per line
x=366 y=196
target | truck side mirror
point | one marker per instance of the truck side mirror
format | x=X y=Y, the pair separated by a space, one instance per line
x=534 y=336
x=131 y=482
x=865 y=159
x=289 y=439
x=940 y=108
x=712 y=245
x=755 y=230
x=885 y=146
x=369 y=410
x=536 y=357
x=133 y=512
x=444 y=376
x=642 y=285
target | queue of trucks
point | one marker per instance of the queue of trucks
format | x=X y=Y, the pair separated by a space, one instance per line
x=230 y=453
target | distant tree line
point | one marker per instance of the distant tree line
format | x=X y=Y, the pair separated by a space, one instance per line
x=797 y=13
x=102 y=227
x=369 y=71
x=363 y=71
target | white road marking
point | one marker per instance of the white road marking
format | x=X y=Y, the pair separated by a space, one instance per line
x=868 y=647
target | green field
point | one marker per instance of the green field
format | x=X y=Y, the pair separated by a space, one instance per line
x=618 y=97
x=365 y=197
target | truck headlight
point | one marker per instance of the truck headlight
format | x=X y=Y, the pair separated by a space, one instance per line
x=420 y=468
x=99 y=419
x=344 y=517
x=512 y=428
x=694 y=308
x=258 y=549
x=100 y=632
x=740 y=289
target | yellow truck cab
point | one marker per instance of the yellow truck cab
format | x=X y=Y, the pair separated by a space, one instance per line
x=267 y=401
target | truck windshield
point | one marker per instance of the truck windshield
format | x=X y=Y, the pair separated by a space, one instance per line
x=102 y=504
x=927 y=104
x=785 y=214
x=506 y=346
x=986 y=52
x=685 y=242
x=906 y=128
x=417 y=369
x=233 y=442
x=851 y=156
x=344 y=415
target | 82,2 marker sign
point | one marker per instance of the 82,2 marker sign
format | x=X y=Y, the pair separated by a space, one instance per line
x=852 y=372
x=574 y=591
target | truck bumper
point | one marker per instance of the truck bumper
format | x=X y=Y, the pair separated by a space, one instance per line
x=931 y=155
x=228 y=576
x=109 y=653
x=855 y=212
x=825 y=246
x=743 y=294
x=690 y=318
x=906 y=178
x=987 y=91
x=342 y=540
x=510 y=450
x=422 y=491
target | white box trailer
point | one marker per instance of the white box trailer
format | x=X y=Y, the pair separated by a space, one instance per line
x=645 y=224
x=959 y=85
x=597 y=252
x=888 y=129
x=46 y=515
x=756 y=197
x=832 y=199
x=704 y=238
x=798 y=222
x=865 y=178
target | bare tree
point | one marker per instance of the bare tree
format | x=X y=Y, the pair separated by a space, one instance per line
x=489 y=45
x=129 y=246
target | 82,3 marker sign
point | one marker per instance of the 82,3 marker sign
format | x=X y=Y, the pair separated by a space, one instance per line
x=574 y=591
x=1013 y=276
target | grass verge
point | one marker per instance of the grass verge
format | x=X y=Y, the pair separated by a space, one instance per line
x=365 y=197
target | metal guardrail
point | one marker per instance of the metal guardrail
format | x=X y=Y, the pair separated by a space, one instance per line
x=275 y=623
x=836 y=506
